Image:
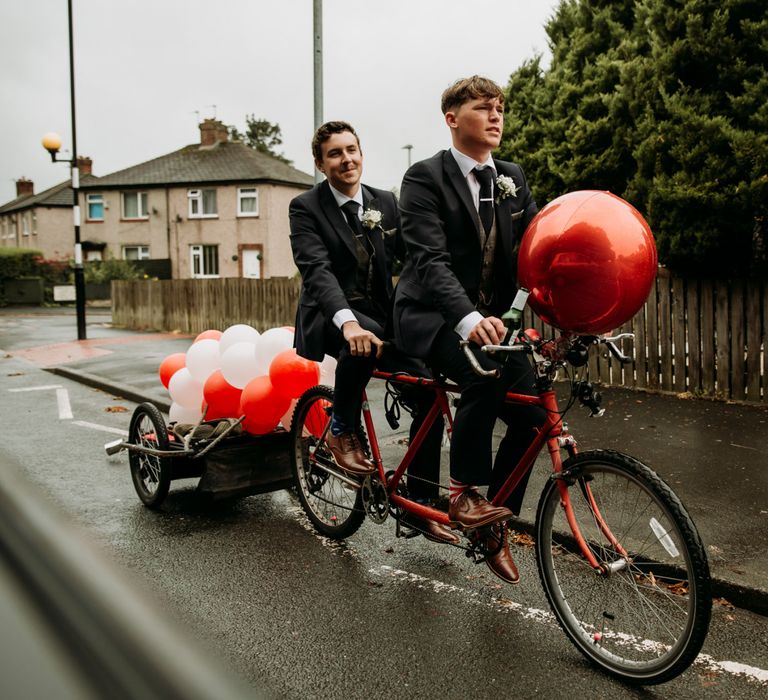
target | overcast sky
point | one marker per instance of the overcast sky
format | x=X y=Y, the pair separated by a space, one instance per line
x=148 y=70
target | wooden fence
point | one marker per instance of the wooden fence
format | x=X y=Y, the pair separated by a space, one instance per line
x=693 y=336
x=699 y=337
x=195 y=305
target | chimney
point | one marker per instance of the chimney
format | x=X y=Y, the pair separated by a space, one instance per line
x=212 y=132
x=24 y=187
x=84 y=165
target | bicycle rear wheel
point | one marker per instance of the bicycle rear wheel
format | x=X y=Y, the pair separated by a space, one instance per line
x=645 y=616
x=151 y=475
x=331 y=500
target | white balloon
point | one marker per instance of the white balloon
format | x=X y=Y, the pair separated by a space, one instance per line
x=240 y=333
x=179 y=414
x=271 y=343
x=185 y=390
x=239 y=364
x=203 y=359
x=328 y=371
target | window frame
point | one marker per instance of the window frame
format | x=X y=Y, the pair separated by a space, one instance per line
x=140 y=248
x=253 y=193
x=198 y=250
x=90 y=198
x=197 y=195
x=141 y=196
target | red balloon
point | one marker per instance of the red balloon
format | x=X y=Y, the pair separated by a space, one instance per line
x=588 y=259
x=222 y=398
x=170 y=365
x=208 y=335
x=262 y=406
x=292 y=375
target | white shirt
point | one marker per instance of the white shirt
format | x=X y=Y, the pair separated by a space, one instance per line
x=344 y=315
x=467 y=165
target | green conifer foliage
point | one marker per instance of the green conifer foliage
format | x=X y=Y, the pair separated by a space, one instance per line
x=665 y=103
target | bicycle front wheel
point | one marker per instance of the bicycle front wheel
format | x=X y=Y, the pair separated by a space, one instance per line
x=331 y=499
x=643 y=614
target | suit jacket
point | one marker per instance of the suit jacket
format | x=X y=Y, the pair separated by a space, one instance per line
x=324 y=250
x=441 y=279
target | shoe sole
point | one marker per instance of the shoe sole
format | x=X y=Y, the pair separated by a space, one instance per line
x=500 y=577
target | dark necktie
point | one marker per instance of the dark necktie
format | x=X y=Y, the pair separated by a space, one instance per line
x=350 y=210
x=485 y=205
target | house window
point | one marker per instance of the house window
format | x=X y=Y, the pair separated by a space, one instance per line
x=135 y=205
x=247 y=201
x=135 y=252
x=205 y=260
x=94 y=205
x=202 y=203
x=26 y=223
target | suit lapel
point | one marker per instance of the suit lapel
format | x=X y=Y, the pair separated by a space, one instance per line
x=459 y=183
x=336 y=218
x=503 y=213
x=377 y=240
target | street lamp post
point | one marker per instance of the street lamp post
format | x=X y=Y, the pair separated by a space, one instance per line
x=52 y=144
x=408 y=148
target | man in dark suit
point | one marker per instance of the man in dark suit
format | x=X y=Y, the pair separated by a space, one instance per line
x=463 y=214
x=344 y=237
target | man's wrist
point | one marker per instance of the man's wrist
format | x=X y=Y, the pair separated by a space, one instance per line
x=465 y=326
x=343 y=316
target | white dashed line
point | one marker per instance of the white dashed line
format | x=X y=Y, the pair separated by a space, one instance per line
x=103 y=428
x=37 y=388
x=65 y=409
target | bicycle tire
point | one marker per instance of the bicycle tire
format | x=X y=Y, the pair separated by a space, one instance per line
x=646 y=621
x=334 y=509
x=151 y=475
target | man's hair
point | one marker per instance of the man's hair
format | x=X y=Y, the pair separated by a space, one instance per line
x=468 y=89
x=325 y=131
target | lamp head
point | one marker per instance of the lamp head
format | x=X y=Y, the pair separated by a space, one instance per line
x=52 y=143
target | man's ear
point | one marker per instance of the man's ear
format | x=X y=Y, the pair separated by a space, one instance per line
x=450 y=119
x=319 y=165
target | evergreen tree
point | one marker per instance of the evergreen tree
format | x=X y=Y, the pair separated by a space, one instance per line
x=664 y=102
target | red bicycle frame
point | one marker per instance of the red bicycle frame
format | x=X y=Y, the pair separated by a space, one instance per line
x=551 y=434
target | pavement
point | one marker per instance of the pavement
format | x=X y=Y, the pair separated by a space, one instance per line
x=711 y=453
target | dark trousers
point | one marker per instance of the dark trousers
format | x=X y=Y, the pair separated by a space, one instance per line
x=481 y=403
x=352 y=376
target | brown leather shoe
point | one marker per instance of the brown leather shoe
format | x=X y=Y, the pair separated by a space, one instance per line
x=348 y=453
x=432 y=530
x=500 y=562
x=471 y=510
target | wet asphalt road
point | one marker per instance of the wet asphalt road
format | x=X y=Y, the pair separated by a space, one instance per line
x=303 y=617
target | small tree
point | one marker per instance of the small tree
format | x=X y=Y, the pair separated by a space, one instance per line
x=260 y=134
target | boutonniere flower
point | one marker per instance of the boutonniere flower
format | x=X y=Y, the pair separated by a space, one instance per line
x=506 y=186
x=371 y=219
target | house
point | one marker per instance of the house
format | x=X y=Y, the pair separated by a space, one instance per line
x=217 y=208
x=44 y=221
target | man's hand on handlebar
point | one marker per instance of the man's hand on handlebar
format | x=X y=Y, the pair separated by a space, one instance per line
x=361 y=342
x=489 y=331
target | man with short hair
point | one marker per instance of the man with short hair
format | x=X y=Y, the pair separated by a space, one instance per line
x=463 y=214
x=344 y=237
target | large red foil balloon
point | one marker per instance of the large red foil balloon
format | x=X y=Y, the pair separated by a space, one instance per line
x=588 y=260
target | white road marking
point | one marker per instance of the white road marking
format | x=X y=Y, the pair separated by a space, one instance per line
x=103 y=428
x=65 y=409
x=500 y=604
x=38 y=388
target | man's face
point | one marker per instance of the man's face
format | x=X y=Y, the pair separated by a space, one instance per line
x=477 y=124
x=342 y=162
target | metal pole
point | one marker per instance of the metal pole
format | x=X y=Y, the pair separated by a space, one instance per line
x=79 y=273
x=408 y=148
x=317 y=16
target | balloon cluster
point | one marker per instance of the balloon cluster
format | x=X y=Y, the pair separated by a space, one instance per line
x=241 y=372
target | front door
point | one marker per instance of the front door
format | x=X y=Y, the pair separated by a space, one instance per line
x=252 y=263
